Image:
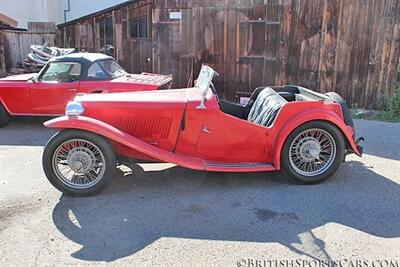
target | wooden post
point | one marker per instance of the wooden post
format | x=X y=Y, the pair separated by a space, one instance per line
x=3 y=69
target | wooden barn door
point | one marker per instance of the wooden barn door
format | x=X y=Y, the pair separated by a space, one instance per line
x=136 y=43
x=210 y=43
x=186 y=38
x=257 y=42
x=239 y=42
x=172 y=50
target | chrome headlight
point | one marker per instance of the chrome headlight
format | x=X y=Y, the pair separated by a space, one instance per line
x=74 y=109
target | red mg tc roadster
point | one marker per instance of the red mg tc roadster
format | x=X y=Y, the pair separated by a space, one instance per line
x=46 y=93
x=304 y=133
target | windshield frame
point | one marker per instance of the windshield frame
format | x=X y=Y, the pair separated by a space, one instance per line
x=203 y=82
x=205 y=78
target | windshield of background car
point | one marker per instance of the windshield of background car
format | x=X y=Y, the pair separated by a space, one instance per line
x=111 y=67
x=96 y=72
x=62 y=72
x=205 y=77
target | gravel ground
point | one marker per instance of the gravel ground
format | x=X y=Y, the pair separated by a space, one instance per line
x=159 y=214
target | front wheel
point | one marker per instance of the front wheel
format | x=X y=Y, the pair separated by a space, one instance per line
x=313 y=152
x=79 y=163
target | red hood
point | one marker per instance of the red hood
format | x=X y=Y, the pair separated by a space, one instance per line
x=144 y=78
x=145 y=97
x=19 y=77
x=107 y=103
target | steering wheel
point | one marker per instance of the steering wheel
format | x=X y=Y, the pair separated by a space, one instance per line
x=214 y=91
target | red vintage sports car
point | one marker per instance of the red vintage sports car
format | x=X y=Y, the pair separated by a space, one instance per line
x=46 y=93
x=305 y=133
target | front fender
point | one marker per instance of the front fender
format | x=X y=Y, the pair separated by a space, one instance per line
x=112 y=133
x=307 y=116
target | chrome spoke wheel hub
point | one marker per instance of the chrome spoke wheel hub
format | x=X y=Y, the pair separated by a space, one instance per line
x=309 y=149
x=81 y=160
x=79 y=163
x=312 y=152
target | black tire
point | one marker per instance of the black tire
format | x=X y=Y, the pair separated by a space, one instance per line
x=108 y=157
x=4 y=116
x=337 y=158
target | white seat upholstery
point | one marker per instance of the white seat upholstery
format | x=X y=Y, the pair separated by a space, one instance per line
x=266 y=107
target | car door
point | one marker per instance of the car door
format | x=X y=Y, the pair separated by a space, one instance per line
x=57 y=84
x=226 y=138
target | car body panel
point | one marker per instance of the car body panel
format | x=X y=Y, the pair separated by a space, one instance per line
x=131 y=82
x=51 y=97
x=216 y=136
x=111 y=87
x=14 y=96
x=19 y=77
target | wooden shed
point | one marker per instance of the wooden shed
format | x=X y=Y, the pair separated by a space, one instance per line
x=352 y=47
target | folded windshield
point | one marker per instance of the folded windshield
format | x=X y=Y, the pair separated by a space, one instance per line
x=203 y=82
x=205 y=78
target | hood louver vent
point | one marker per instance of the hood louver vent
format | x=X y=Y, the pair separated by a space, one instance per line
x=144 y=126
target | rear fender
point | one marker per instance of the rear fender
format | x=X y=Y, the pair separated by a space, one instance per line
x=307 y=116
x=116 y=135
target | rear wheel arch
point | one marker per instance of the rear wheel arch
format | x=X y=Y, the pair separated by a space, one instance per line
x=285 y=133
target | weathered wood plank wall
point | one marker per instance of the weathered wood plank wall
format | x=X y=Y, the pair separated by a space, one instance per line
x=348 y=46
x=17 y=44
x=3 y=63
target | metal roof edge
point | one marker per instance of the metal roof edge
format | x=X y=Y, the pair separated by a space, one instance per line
x=108 y=9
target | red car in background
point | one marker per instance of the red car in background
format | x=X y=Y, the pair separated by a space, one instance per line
x=46 y=93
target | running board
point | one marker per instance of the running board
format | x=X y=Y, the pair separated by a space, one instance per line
x=238 y=167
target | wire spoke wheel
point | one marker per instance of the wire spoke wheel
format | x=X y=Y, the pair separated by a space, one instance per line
x=312 y=152
x=79 y=163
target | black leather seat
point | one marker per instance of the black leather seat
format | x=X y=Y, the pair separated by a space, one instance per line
x=265 y=108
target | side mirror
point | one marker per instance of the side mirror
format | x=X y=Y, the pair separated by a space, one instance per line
x=35 y=79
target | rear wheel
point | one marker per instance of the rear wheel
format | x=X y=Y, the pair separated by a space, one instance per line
x=4 y=116
x=313 y=152
x=79 y=163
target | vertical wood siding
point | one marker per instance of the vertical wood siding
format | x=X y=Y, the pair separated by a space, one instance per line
x=351 y=47
x=3 y=63
x=16 y=44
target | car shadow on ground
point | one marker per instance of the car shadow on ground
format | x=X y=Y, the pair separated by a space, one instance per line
x=141 y=207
